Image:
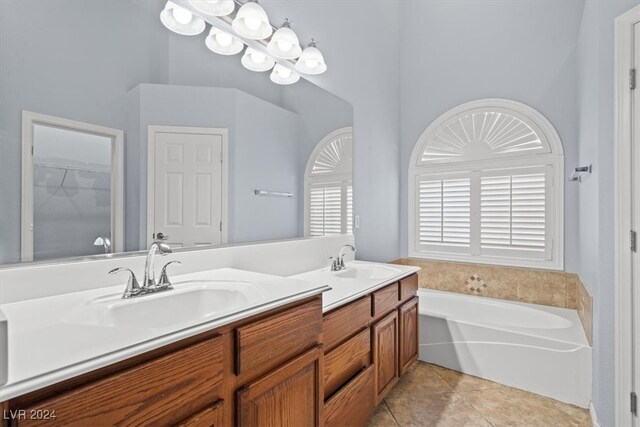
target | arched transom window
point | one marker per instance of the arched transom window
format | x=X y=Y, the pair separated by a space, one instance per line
x=485 y=185
x=328 y=186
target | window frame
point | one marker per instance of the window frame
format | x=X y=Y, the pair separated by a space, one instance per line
x=345 y=180
x=553 y=159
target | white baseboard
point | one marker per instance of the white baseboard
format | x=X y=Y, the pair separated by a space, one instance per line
x=594 y=416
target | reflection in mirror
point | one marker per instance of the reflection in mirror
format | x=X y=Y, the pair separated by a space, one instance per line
x=328 y=186
x=71 y=194
x=199 y=134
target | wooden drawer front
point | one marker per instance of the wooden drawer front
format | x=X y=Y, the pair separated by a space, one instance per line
x=385 y=354
x=353 y=405
x=159 y=392
x=408 y=287
x=288 y=396
x=408 y=325
x=269 y=342
x=345 y=361
x=212 y=416
x=384 y=300
x=345 y=321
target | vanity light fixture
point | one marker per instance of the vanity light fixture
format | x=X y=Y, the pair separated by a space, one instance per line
x=283 y=75
x=223 y=43
x=256 y=61
x=311 y=60
x=214 y=7
x=284 y=43
x=252 y=22
x=180 y=20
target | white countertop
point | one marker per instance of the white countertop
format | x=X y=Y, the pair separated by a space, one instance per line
x=46 y=343
x=346 y=289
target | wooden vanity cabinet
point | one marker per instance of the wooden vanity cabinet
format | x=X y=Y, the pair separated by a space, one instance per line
x=265 y=370
x=368 y=345
x=290 y=366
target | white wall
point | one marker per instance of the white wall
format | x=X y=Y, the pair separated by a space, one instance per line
x=38 y=56
x=264 y=146
x=360 y=40
x=48 y=68
x=458 y=51
x=596 y=242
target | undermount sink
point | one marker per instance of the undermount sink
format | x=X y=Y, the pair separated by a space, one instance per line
x=189 y=302
x=366 y=272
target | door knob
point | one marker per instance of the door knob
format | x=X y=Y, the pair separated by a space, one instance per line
x=161 y=236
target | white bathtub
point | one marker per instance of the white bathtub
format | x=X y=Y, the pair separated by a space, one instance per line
x=536 y=348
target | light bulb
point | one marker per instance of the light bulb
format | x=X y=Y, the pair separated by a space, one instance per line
x=311 y=63
x=252 y=22
x=284 y=45
x=224 y=39
x=258 y=57
x=285 y=73
x=182 y=15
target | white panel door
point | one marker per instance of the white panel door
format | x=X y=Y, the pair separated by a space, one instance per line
x=188 y=189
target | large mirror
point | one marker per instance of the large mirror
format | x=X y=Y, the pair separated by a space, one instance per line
x=117 y=132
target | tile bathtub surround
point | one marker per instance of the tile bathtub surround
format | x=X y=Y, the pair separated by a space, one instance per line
x=584 y=303
x=429 y=395
x=554 y=288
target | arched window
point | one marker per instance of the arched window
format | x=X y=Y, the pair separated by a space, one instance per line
x=486 y=186
x=328 y=186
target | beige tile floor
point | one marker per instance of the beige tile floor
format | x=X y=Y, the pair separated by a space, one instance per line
x=429 y=395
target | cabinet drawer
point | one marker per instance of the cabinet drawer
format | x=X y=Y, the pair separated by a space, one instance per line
x=343 y=362
x=353 y=404
x=212 y=416
x=269 y=342
x=345 y=321
x=408 y=287
x=159 y=392
x=384 y=300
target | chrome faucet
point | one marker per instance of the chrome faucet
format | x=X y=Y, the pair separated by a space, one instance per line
x=149 y=285
x=149 y=273
x=337 y=263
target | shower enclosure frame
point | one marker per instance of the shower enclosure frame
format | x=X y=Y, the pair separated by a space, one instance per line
x=29 y=119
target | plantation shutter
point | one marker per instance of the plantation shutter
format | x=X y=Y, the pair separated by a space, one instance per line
x=349 y=209
x=513 y=212
x=444 y=211
x=325 y=209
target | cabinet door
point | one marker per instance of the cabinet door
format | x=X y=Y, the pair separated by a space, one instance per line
x=385 y=354
x=408 y=334
x=289 y=396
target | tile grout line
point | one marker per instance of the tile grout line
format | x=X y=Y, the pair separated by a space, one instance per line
x=474 y=408
x=391 y=412
x=463 y=398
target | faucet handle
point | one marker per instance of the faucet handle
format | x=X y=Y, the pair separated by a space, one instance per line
x=164 y=279
x=334 y=263
x=133 y=286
